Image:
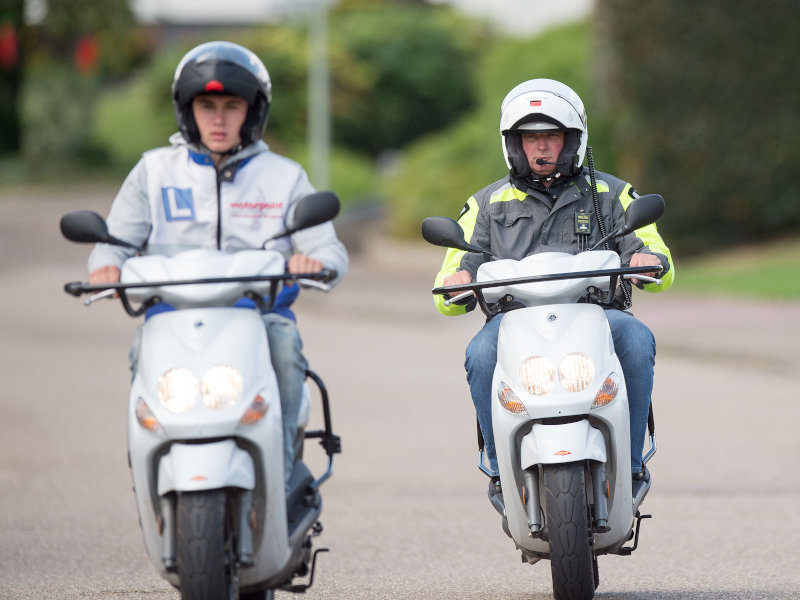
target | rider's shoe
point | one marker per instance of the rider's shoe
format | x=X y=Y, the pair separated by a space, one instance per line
x=641 y=485
x=496 y=495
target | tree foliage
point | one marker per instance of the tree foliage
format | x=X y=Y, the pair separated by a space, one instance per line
x=11 y=13
x=704 y=97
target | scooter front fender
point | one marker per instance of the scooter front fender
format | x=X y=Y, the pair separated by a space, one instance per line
x=568 y=442
x=216 y=465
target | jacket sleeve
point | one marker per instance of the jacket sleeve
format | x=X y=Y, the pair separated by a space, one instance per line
x=476 y=233
x=128 y=220
x=645 y=240
x=320 y=242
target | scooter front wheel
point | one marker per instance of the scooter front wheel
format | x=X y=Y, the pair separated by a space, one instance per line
x=566 y=513
x=206 y=563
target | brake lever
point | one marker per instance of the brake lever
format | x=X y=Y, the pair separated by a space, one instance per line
x=313 y=283
x=461 y=296
x=109 y=293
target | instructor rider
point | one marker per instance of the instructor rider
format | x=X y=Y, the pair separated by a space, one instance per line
x=545 y=204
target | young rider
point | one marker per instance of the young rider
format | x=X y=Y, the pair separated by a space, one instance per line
x=219 y=186
x=545 y=204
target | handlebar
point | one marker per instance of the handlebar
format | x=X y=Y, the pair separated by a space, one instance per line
x=105 y=290
x=78 y=288
x=478 y=287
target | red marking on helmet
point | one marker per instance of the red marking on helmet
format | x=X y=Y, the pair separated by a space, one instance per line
x=214 y=86
x=536 y=102
x=563 y=453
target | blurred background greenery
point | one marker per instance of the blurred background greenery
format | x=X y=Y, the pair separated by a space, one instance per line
x=695 y=101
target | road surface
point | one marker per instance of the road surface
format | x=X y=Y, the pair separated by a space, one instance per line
x=406 y=514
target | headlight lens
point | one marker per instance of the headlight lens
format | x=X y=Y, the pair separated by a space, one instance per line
x=576 y=372
x=537 y=374
x=509 y=400
x=608 y=391
x=178 y=390
x=221 y=387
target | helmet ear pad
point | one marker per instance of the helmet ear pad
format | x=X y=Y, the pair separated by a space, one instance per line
x=568 y=157
x=256 y=121
x=184 y=115
x=516 y=156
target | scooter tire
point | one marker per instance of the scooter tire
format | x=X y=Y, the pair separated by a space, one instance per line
x=566 y=513
x=206 y=564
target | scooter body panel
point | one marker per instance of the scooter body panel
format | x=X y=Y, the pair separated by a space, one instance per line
x=221 y=450
x=560 y=425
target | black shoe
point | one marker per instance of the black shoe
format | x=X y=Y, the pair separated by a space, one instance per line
x=496 y=495
x=640 y=482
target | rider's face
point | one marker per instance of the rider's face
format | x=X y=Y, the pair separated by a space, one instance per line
x=219 y=119
x=546 y=145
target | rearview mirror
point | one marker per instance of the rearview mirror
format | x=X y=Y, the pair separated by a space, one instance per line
x=643 y=211
x=446 y=232
x=311 y=210
x=87 y=227
x=84 y=226
x=315 y=209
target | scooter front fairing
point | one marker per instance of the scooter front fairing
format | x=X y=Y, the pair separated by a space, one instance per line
x=555 y=360
x=185 y=416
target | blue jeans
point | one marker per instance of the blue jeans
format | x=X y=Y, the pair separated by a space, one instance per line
x=635 y=346
x=286 y=353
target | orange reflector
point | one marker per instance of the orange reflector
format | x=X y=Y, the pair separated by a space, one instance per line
x=562 y=453
x=199 y=478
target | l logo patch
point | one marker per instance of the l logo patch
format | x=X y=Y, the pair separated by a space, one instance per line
x=178 y=204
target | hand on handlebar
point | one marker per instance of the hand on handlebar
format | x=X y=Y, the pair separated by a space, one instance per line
x=457 y=278
x=106 y=274
x=300 y=263
x=642 y=260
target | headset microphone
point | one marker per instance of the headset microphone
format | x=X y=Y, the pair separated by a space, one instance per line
x=541 y=161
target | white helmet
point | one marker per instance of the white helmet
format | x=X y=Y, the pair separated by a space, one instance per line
x=542 y=105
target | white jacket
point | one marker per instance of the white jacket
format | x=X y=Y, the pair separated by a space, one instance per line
x=175 y=200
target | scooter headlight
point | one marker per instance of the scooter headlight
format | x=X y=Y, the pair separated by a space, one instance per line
x=509 y=400
x=576 y=372
x=178 y=390
x=221 y=387
x=608 y=391
x=537 y=374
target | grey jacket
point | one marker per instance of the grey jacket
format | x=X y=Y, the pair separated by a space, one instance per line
x=512 y=220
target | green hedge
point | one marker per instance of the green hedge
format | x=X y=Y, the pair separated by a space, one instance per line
x=706 y=97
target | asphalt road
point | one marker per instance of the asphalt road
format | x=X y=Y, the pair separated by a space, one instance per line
x=406 y=514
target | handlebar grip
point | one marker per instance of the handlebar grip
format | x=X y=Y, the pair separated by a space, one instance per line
x=75 y=288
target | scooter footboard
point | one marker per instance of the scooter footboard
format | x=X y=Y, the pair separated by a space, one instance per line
x=562 y=443
x=216 y=465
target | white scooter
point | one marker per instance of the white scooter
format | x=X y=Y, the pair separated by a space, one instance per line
x=559 y=407
x=205 y=435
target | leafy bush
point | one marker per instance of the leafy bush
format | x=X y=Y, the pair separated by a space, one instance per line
x=436 y=175
x=707 y=114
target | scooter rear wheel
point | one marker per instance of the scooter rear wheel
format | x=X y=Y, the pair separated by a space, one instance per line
x=206 y=563
x=566 y=513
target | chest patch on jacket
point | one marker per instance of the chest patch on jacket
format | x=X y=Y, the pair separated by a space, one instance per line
x=178 y=204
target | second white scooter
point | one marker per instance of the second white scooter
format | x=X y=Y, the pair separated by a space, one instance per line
x=559 y=406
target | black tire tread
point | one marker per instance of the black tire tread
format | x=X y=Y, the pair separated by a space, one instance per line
x=568 y=530
x=201 y=545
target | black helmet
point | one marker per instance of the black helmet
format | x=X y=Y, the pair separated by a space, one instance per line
x=226 y=68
